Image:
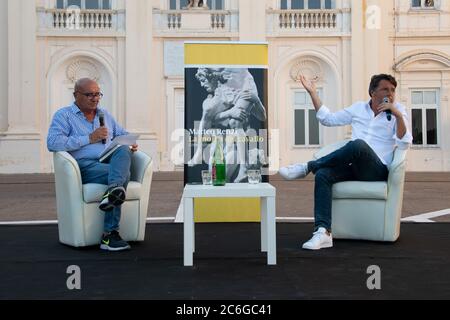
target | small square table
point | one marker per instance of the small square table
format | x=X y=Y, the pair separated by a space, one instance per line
x=265 y=191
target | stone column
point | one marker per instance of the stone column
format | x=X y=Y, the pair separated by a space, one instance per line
x=142 y=110
x=3 y=66
x=252 y=20
x=137 y=65
x=357 y=50
x=378 y=48
x=22 y=106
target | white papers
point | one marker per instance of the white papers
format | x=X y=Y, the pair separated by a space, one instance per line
x=126 y=140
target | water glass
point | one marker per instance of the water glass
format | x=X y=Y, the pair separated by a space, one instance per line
x=254 y=176
x=206 y=177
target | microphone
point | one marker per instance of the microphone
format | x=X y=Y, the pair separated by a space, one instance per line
x=101 y=118
x=388 y=112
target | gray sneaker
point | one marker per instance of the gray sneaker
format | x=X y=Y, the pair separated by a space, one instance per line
x=320 y=240
x=295 y=171
x=113 y=242
x=112 y=198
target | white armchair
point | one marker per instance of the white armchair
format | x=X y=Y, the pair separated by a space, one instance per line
x=368 y=210
x=80 y=221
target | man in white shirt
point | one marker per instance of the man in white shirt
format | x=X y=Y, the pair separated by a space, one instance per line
x=378 y=127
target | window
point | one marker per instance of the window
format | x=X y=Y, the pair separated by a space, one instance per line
x=424 y=115
x=178 y=4
x=306 y=126
x=181 y=4
x=84 y=4
x=423 y=4
x=215 y=4
x=307 y=4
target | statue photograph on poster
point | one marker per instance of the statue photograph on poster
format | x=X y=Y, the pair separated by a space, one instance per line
x=232 y=104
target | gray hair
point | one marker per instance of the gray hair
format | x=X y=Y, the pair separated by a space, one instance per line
x=82 y=82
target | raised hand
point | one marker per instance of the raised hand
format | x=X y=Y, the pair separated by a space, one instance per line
x=309 y=85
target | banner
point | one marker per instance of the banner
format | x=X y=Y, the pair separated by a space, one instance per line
x=226 y=98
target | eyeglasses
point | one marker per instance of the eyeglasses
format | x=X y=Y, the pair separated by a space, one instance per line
x=92 y=95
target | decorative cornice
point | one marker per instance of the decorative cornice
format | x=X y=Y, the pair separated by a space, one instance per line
x=401 y=65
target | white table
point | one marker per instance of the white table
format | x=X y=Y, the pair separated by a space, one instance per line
x=264 y=191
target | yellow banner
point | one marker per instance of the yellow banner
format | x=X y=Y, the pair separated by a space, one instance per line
x=227 y=209
x=226 y=54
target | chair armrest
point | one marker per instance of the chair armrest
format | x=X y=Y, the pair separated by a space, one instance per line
x=69 y=199
x=397 y=168
x=140 y=163
x=330 y=148
x=399 y=159
x=142 y=171
x=66 y=168
x=396 y=183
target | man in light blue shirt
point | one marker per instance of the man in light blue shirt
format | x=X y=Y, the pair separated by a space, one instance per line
x=83 y=129
x=378 y=127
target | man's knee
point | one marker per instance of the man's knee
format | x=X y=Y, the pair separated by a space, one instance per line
x=359 y=144
x=124 y=149
x=323 y=175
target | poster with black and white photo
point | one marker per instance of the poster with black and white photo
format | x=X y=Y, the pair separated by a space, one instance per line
x=229 y=103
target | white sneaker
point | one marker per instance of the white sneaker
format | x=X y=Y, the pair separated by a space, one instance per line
x=295 y=171
x=319 y=240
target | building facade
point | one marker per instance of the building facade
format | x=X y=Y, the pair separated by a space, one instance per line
x=134 y=49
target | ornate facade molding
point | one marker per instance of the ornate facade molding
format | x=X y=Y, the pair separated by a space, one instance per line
x=308 y=67
x=403 y=63
x=82 y=68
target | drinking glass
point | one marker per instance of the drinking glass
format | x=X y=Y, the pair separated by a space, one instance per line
x=254 y=176
x=206 y=177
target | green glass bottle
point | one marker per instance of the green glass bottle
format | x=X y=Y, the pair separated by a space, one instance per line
x=218 y=165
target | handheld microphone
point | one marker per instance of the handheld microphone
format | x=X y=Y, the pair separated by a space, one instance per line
x=388 y=112
x=101 y=118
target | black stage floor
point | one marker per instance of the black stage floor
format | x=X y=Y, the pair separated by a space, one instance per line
x=227 y=265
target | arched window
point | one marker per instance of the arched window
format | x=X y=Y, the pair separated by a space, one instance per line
x=307 y=4
x=84 y=4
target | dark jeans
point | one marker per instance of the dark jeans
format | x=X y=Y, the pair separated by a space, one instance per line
x=114 y=173
x=355 y=161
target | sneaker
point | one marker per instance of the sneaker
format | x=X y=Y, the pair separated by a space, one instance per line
x=319 y=240
x=295 y=171
x=113 y=242
x=112 y=198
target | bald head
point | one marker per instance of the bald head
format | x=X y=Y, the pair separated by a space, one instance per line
x=87 y=95
x=82 y=83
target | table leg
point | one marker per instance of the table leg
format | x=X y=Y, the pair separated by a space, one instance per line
x=263 y=205
x=193 y=226
x=271 y=231
x=189 y=236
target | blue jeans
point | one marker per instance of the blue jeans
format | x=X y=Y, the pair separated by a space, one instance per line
x=355 y=161
x=114 y=172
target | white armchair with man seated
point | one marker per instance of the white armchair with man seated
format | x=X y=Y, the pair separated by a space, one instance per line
x=80 y=221
x=368 y=210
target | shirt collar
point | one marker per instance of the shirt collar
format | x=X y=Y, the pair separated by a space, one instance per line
x=369 y=108
x=74 y=108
